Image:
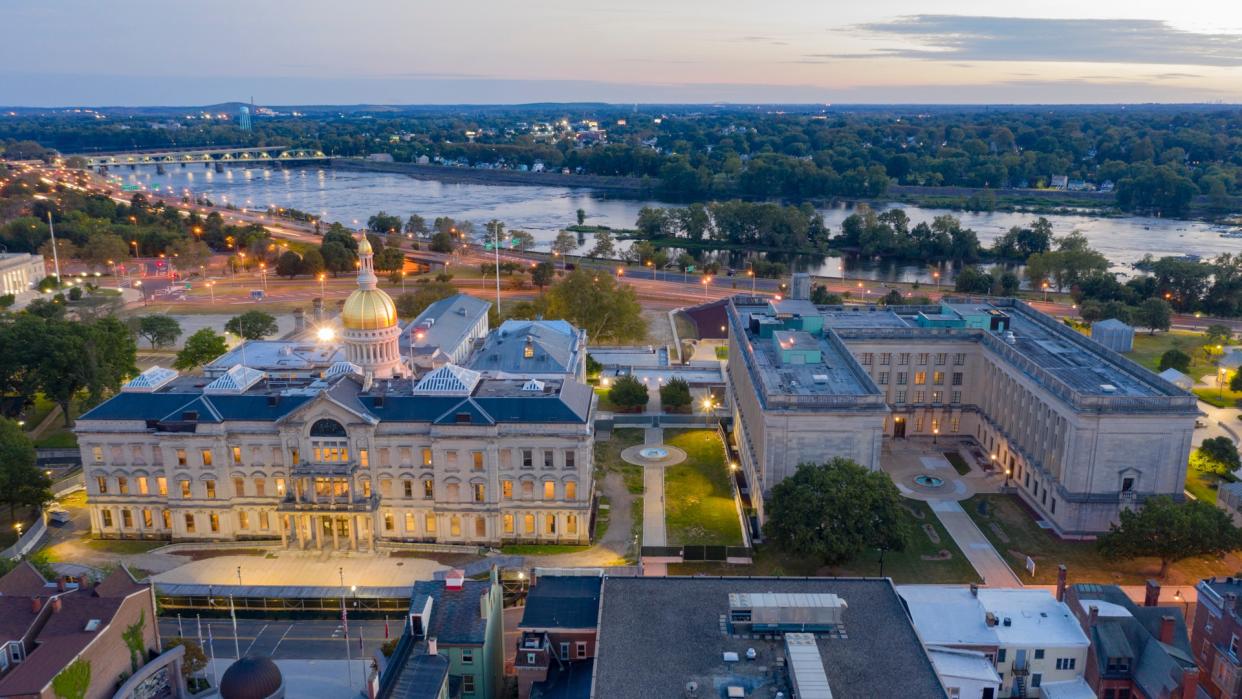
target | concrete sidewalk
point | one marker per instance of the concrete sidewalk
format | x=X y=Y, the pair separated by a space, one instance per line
x=976 y=547
x=654 y=532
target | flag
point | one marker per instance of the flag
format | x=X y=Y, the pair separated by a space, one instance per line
x=385 y=628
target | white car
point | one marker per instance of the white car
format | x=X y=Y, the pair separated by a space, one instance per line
x=58 y=516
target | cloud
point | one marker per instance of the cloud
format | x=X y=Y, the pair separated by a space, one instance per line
x=975 y=38
x=761 y=40
x=1175 y=76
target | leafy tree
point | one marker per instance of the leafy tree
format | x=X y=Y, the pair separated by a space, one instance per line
x=337 y=258
x=194 y=661
x=383 y=222
x=1154 y=314
x=542 y=274
x=252 y=325
x=628 y=393
x=1235 y=382
x=159 y=330
x=581 y=216
x=835 y=511
x=289 y=264
x=1217 y=455
x=603 y=245
x=820 y=296
x=441 y=242
x=200 y=348
x=564 y=243
x=425 y=294
x=312 y=262
x=1218 y=334
x=1091 y=311
x=132 y=635
x=416 y=225
x=1175 y=359
x=675 y=394
x=606 y=309
x=22 y=483
x=101 y=249
x=593 y=367
x=389 y=259
x=189 y=254
x=1170 y=531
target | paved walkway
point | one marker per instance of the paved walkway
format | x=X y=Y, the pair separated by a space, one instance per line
x=654 y=531
x=978 y=550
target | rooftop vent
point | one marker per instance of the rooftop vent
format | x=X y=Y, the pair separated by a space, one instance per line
x=455 y=580
x=1108 y=388
x=1010 y=337
x=820 y=378
x=93 y=625
x=731 y=656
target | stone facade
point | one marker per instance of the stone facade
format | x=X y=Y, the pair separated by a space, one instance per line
x=1075 y=451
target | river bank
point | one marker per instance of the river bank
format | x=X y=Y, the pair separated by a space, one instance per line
x=974 y=199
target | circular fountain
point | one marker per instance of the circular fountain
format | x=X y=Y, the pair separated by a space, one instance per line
x=928 y=481
x=653 y=453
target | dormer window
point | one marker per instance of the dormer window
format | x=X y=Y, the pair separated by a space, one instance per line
x=528 y=351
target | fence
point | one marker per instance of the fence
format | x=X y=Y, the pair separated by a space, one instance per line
x=28 y=540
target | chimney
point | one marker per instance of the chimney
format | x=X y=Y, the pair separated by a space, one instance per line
x=1190 y=683
x=35 y=605
x=55 y=605
x=1093 y=613
x=974 y=590
x=455 y=580
x=1062 y=574
x=60 y=583
x=433 y=648
x=1152 y=596
x=1166 y=629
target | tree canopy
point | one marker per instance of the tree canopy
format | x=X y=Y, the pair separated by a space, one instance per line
x=252 y=325
x=159 y=330
x=200 y=348
x=836 y=510
x=608 y=310
x=1171 y=531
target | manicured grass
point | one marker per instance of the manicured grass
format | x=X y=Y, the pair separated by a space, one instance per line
x=603 y=517
x=959 y=464
x=1218 y=397
x=605 y=403
x=1149 y=348
x=1085 y=563
x=903 y=567
x=698 y=498
x=722 y=352
x=608 y=458
x=540 y=549
x=1203 y=485
x=57 y=439
x=34 y=414
x=124 y=547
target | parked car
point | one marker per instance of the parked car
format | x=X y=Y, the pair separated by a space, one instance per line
x=58 y=515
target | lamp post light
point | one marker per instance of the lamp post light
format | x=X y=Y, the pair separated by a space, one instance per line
x=1045 y=285
x=1220 y=383
x=263 y=274
x=322 y=277
x=707 y=280
x=751 y=273
x=211 y=287
x=935 y=435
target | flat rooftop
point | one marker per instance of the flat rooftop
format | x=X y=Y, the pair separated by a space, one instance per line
x=1042 y=347
x=657 y=634
x=954 y=616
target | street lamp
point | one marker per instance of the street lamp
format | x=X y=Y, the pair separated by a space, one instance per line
x=751 y=273
x=211 y=287
x=325 y=333
x=1045 y=285
x=1220 y=382
x=263 y=274
x=707 y=280
x=936 y=276
x=322 y=277
x=1185 y=602
x=935 y=435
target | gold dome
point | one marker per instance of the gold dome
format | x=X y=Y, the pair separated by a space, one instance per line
x=369 y=309
x=364 y=246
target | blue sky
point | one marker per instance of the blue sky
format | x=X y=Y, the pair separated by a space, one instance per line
x=140 y=52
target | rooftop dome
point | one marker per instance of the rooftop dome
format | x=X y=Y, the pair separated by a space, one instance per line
x=364 y=246
x=369 y=309
x=252 y=677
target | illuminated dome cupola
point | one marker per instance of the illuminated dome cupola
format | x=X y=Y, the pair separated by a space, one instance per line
x=370 y=320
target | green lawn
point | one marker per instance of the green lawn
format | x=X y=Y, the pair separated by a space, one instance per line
x=57 y=439
x=540 y=549
x=1026 y=538
x=698 y=498
x=1149 y=348
x=959 y=464
x=686 y=329
x=122 y=547
x=605 y=403
x=722 y=352
x=1203 y=485
x=608 y=458
x=921 y=563
x=1221 y=398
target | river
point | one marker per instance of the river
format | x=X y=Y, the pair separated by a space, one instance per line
x=351 y=196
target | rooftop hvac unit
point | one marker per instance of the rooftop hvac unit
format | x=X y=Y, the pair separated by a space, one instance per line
x=692 y=690
x=730 y=656
x=820 y=378
x=1108 y=388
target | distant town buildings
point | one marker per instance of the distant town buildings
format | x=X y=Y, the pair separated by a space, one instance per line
x=1217 y=634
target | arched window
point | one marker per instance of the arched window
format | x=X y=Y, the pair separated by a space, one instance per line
x=327 y=428
x=329 y=441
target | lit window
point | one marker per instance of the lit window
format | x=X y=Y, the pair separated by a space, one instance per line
x=106 y=516
x=166 y=515
x=409 y=522
x=97 y=453
x=389 y=523
x=215 y=522
x=508 y=524
x=189 y=524
x=122 y=485
x=571 y=491
x=243 y=519
x=478 y=460
x=426 y=457
x=181 y=457
x=454 y=526
x=144 y=488
x=239 y=486
x=236 y=455
x=264 y=523
x=506 y=489
x=148 y=520
x=480 y=491
x=364 y=459
x=211 y=489
x=185 y=489
x=429 y=489
x=206 y=456
x=127 y=519
x=429 y=524
x=549 y=490
x=571 y=524
x=101 y=484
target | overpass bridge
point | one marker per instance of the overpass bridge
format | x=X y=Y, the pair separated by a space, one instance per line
x=209 y=156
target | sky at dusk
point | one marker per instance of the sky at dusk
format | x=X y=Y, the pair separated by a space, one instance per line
x=288 y=52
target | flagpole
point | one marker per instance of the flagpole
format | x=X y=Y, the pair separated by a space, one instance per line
x=211 y=642
x=55 y=255
x=349 y=661
x=236 y=642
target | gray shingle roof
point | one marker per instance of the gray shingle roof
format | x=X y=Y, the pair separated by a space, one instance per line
x=656 y=634
x=456 y=615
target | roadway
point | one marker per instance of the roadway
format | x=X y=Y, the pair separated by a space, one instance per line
x=667 y=289
x=305 y=639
